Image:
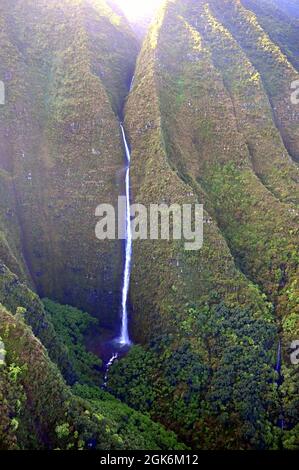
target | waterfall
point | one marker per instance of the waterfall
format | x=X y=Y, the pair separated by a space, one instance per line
x=124 y=338
x=132 y=83
x=123 y=342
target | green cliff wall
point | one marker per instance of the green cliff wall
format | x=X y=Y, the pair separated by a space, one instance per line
x=207 y=125
x=209 y=120
x=66 y=68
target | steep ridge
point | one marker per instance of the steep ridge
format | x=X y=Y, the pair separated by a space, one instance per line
x=208 y=120
x=282 y=26
x=66 y=66
x=251 y=108
x=226 y=157
x=11 y=253
x=196 y=135
x=16 y=295
x=179 y=297
x=290 y=7
x=275 y=70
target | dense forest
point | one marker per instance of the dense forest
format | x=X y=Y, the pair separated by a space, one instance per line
x=204 y=93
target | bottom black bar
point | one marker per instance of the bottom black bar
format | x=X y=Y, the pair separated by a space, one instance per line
x=134 y=459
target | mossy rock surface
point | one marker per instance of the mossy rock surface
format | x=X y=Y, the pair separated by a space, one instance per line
x=208 y=122
x=66 y=69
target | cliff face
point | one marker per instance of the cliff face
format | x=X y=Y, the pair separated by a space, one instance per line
x=280 y=24
x=210 y=120
x=66 y=68
x=273 y=66
x=291 y=7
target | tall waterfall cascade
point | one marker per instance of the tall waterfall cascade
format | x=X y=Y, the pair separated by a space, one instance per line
x=124 y=338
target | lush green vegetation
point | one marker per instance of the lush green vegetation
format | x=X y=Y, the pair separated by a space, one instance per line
x=222 y=394
x=21 y=300
x=209 y=121
x=71 y=326
x=215 y=89
x=38 y=410
x=134 y=429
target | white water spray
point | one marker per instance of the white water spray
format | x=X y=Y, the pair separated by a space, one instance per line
x=124 y=338
x=110 y=363
x=132 y=83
